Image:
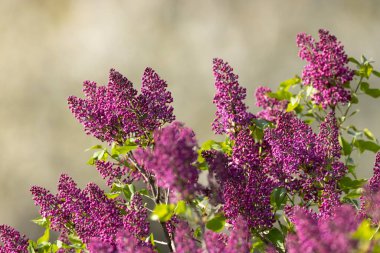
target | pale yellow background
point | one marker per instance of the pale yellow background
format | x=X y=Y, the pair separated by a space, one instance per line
x=47 y=48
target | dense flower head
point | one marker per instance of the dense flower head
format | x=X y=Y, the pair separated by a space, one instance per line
x=327 y=139
x=125 y=243
x=94 y=215
x=327 y=68
x=229 y=99
x=215 y=242
x=374 y=182
x=370 y=200
x=12 y=240
x=244 y=193
x=136 y=218
x=323 y=235
x=305 y=162
x=184 y=242
x=112 y=173
x=171 y=160
x=245 y=152
x=292 y=142
x=239 y=239
x=272 y=107
x=116 y=112
x=49 y=205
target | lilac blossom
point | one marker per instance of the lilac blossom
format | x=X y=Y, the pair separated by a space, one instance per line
x=243 y=192
x=12 y=240
x=215 y=242
x=184 y=242
x=95 y=217
x=323 y=235
x=171 y=160
x=304 y=162
x=272 y=107
x=327 y=142
x=136 y=218
x=370 y=200
x=292 y=143
x=231 y=111
x=112 y=173
x=125 y=243
x=115 y=112
x=239 y=239
x=327 y=69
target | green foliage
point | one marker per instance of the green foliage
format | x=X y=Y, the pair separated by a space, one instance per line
x=217 y=223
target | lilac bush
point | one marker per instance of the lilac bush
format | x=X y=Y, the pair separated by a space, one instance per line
x=283 y=180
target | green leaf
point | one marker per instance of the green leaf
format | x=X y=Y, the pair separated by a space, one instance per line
x=151 y=239
x=354 y=99
x=163 y=212
x=207 y=145
x=42 y=222
x=363 y=145
x=31 y=246
x=45 y=237
x=278 y=198
x=346 y=147
x=217 y=223
x=346 y=183
x=122 y=150
x=277 y=238
x=197 y=233
x=310 y=90
x=353 y=60
x=365 y=70
x=91 y=161
x=294 y=102
x=112 y=195
x=285 y=85
x=94 y=147
x=369 y=134
x=376 y=73
x=180 y=208
x=280 y=95
x=364 y=231
x=375 y=93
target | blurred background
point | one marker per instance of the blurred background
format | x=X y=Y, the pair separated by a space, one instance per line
x=48 y=48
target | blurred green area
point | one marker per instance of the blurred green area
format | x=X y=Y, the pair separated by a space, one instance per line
x=48 y=48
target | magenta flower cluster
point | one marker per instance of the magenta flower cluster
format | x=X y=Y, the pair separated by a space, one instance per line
x=171 y=160
x=90 y=213
x=12 y=240
x=115 y=112
x=229 y=99
x=327 y=69
x=272 y=107
x=276 y=183
x=323 y=235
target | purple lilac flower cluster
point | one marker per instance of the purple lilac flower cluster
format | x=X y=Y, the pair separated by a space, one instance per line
x=229 y=99
x=272 y=107
x=238 y=240
x=327 y=69
x=89 y=212
x=12 y=240
x=370 y=200
x=125 y=243
x=245 y=172
x=115 y=112
x=323 y=235
x=171 y=160
x=305 y=162
x=112 y=173
x=243 y=191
